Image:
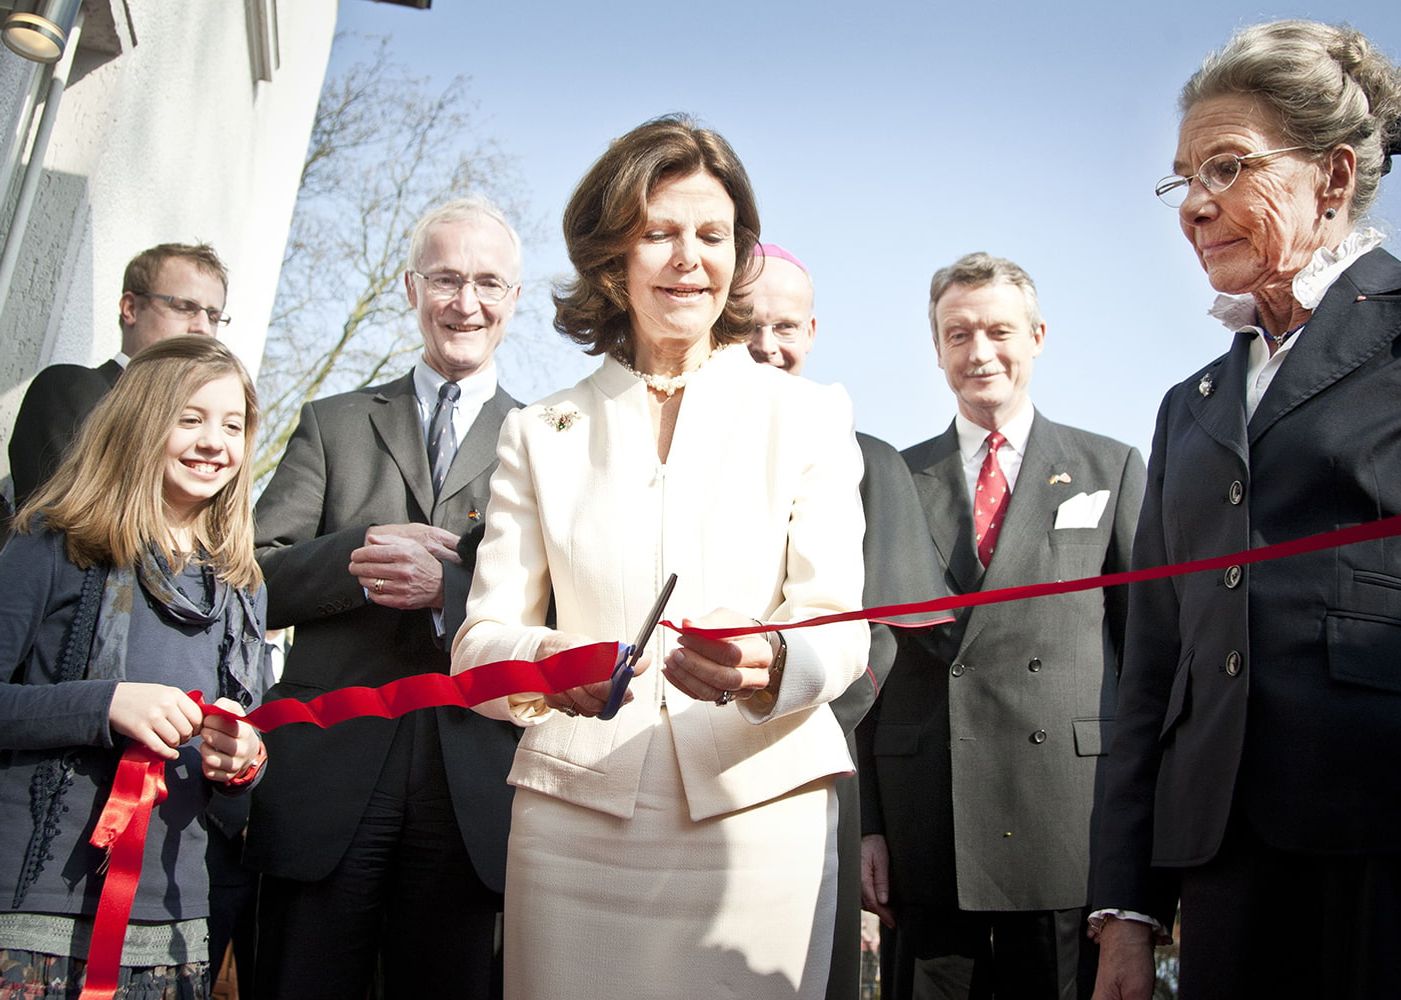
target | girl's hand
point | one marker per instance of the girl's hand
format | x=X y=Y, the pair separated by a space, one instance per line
x=157 y=716
x=229 y=745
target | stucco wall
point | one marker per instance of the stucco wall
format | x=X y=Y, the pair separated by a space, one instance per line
x=163 y=135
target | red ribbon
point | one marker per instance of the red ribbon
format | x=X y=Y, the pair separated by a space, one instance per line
x=140 y=782
x=139 y=785
x=1387 y=527
x=121 y=831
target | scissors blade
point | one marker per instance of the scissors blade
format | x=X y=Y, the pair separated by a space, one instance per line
x=622 y=673
x=639 y=645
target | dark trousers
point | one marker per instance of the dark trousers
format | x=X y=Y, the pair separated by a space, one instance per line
x=405 y=894
x=1261 y=922
x=844 y=979
x=233 y=897
x=962 y=955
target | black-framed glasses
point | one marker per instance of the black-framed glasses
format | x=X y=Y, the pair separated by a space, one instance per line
x=449 y=284
x=1216 y=174
x=189 y=308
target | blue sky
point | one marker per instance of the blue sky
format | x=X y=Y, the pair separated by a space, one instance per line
x=884 y=140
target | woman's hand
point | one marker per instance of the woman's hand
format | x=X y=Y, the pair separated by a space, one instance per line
x=586 y=699
x=229 y=745
x=159 y=717
x=706 y=668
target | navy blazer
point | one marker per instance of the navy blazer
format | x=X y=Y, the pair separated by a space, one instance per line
x=1272 y=690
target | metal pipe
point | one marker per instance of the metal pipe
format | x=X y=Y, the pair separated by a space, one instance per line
x=34 y=169
x=14 y=148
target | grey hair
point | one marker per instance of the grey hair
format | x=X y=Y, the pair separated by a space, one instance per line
x=1326 y=85
x=978 y=269
x=460 y=210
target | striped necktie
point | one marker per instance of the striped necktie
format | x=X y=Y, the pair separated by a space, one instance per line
x=442 y=439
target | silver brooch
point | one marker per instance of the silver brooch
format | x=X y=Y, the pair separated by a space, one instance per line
x=560 y=420
x=1206 y=386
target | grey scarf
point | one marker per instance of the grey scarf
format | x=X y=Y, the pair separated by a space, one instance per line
x=240 y=673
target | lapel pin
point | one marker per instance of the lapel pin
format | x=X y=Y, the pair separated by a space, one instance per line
x=1058 y=477
x=1206 y=386
x=474 y=515
x=560 y=420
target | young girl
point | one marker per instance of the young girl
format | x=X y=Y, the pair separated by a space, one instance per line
x=130 y=580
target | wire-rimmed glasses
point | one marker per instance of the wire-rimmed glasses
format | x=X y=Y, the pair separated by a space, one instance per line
x=189 y=308
x=1216 y=174
x=489 y=290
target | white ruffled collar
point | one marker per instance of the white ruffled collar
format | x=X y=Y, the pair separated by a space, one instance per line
x=1309 y=285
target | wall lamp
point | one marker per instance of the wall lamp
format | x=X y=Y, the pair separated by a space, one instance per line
x=40 y=34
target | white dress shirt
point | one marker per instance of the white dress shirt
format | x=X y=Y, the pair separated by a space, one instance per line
x=973 y=446
x=476 y=388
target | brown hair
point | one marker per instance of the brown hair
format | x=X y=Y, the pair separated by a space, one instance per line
x=107 y=494
x=143 y=269
x=1327 y=86
x=608 y=213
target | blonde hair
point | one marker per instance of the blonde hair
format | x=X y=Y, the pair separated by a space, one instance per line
x=107 y=494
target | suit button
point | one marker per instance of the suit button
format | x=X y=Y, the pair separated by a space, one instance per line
x=1232 y=663
x=957 y=669
x=1232 y=577
x=1236 y=493
x=1035 y=664
x=1039 y=736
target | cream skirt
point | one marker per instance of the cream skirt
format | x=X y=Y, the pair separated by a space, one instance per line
x=658 y=906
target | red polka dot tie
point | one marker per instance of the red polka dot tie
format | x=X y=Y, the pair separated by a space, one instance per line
x=989 y=500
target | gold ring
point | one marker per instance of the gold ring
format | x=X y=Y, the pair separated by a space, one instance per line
x=379 y=585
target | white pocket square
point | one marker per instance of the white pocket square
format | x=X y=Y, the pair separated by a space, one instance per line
x=1082 y=510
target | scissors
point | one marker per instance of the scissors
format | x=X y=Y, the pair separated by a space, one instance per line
x=629 y=655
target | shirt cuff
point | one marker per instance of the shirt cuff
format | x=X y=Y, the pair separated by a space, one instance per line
x=1097 y=918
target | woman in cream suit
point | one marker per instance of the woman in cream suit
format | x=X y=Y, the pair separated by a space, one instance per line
x=685 y=848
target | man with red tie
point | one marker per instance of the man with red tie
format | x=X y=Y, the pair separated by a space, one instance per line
x=983 y=750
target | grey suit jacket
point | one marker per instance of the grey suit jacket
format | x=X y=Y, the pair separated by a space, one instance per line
x=355 y=460
x=901 y=566
x=983 y=750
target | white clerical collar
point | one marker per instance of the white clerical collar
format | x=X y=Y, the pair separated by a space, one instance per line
x=1017 y=430
x=1238 y=312
x=476 y=388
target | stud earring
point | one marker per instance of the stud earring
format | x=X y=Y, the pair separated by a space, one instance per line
x=1330 y=213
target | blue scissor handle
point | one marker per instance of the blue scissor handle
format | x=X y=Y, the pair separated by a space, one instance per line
x=622 y=676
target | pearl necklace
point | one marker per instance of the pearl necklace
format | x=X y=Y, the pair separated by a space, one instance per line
x=668 y=385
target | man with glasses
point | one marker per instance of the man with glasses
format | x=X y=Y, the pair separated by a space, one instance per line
x=168 y=290
x=383 y=842
x=900 y=562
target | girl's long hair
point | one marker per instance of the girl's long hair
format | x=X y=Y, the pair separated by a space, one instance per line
x=107 y=494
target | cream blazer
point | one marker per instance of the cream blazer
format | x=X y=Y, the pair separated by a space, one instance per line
x=756 y=509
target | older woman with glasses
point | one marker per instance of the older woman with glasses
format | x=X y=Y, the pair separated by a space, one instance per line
x=686 y=846
x=1254 y=777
